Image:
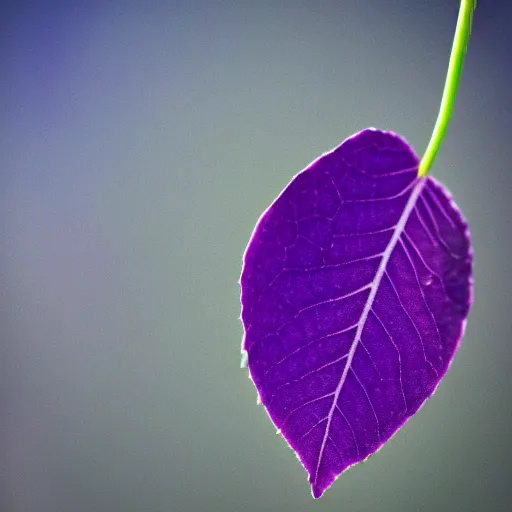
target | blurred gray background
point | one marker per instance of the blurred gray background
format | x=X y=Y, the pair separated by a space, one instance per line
x=140 y=141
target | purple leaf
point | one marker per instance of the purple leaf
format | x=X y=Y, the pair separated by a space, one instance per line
x=356 y=286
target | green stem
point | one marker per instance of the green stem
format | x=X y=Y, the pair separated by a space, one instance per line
x=460 y=42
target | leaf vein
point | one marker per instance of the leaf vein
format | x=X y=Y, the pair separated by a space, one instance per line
x=421 y=289
x=311 y=372
x=441 y=240
x=399 y=358
x=412 y=322
x=312 y=342
x=350 y=428
x=369 y=301
x=361 y=385
x=309 y=402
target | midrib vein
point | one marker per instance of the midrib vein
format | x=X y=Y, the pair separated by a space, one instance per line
x=368 y=306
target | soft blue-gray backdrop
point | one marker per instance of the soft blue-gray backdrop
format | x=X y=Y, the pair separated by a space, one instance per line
x=139 y=143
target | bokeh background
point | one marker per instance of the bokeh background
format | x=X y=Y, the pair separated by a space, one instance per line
x=139 y=143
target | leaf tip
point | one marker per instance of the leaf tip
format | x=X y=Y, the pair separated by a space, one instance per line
x=317 y=491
